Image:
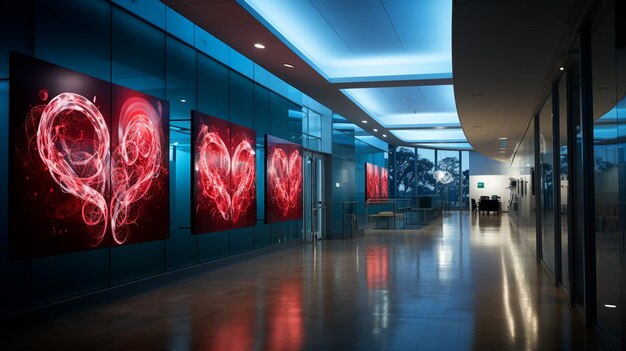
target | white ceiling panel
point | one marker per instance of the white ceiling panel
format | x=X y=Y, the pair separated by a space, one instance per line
x=430 y=136
x=356 y=41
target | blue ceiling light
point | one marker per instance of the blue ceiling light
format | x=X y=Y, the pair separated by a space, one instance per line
x=405 y=107
x=430 y=135
x=369 y=40
x=354 y=41
x=455 y=146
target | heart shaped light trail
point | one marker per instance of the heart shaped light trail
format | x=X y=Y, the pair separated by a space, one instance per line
x=285 y=175
x=284 y=180
x=225 y=175
x=74 y=144
x=136 y=164
x=88 y=162
x=77 y=163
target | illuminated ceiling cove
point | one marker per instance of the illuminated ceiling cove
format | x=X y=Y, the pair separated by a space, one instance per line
x=392 y=58
x=365 y=40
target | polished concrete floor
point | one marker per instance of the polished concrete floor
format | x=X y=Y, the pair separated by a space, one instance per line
x=464 y=283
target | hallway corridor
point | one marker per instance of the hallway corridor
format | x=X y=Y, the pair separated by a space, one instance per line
x=461 y=284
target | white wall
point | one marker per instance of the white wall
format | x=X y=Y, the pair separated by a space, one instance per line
x=480 y=165
x=494 y=185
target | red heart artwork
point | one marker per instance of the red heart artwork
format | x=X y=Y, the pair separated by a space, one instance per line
x=89 y=162
x=284 y=180
x=225 y=175
x=81 y=164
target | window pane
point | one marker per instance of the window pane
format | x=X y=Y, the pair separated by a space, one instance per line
x=465 y=165
x=425 y=171
x=448 y=177
x=405 y=171
x=547 y=184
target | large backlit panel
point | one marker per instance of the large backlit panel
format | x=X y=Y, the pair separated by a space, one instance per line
x=224 y=175
x=364 y=40
x=283 y=180
x=88 y=162
x=430 y=136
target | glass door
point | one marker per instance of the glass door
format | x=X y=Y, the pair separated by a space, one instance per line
x=314 y=202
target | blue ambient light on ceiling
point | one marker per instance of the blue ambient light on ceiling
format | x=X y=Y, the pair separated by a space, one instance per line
x=356 y=41
x=430 y=135
x=405 y=107
x=455 y=146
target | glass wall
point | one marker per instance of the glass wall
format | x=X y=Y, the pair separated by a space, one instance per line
x=348 y=176
x=449 y=178
x=546 y=191
x=107 y=41
x=405 y=162
x=606 y=153
x=465 y=184
x=426 y=184
x=413 y=173
x=563 y=184
x=523 y=204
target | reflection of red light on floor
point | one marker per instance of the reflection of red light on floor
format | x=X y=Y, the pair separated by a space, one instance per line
x=377 y=267
x=234 y=333
x=285 y=326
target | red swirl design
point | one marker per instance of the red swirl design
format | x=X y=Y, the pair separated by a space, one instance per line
x=384 y=183
x=73 y=142
x=284 y=172
x=243 y=178
x=225 y=182
x=78 y=163
x=213 y=167
x=137 y=162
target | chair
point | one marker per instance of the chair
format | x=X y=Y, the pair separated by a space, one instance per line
x=474 y=206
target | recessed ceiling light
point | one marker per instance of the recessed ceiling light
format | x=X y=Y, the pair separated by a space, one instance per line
x=375 y=130
x=183 y=100
x=561 y=68
x=364 y=121
x=610 y=306
x=288 y=65
x=384 y=135
x=503 y=138
x=259 y=46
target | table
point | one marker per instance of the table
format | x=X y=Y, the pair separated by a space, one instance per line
x=388 y=218
x=490 y=205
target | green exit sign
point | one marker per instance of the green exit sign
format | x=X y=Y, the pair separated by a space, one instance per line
x=481 y=185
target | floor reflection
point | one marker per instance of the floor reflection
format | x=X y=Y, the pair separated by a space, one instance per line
x=377 y=267
x=466 y=282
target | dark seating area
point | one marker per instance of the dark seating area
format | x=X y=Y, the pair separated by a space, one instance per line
x=488 y=205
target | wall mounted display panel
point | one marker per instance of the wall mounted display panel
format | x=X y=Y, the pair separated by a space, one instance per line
x=224 y=175
x=283 y=180
x=88 y=162
x=384 y=183
x=376 y=182
x=372 y=183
